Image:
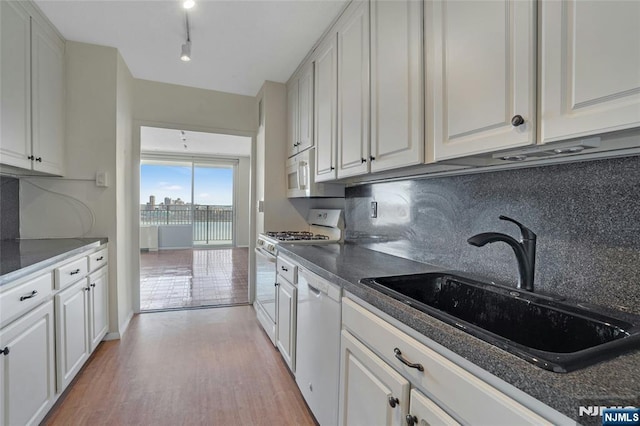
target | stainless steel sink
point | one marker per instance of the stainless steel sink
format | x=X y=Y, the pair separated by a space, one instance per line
x=557 y=336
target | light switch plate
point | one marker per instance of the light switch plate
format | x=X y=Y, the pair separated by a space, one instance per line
x=102 y=179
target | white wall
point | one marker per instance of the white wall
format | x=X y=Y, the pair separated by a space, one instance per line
x=243 y=201
x=91 y=131
x=271 y=153
x=194 y=109
x=124 y=203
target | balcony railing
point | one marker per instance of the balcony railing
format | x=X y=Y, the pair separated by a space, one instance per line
x=210 y=223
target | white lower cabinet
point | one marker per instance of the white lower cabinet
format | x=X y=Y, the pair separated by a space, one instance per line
x=72 y=321
x=380 y=363
x=27 y=367
x=371 y=392
x=424 y=411
x=98 y=306
x=286 y=321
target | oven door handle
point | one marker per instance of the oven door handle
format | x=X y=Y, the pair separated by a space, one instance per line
x=271 y=258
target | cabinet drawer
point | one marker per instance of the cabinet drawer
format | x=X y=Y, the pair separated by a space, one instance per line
x=471 y=399
x=71 y=272
x=287 y=269
x=24 y=297
x=98 y=260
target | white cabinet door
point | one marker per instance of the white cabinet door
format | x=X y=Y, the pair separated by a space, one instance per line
x=326 y=87
x=353 y=91
x=48 y=99
x=15 y=86
x=371 y=392
x=292 y=118
x=27 y=368
x=424 y=411
x=397 y=92
x=286 y=322
x=590 y=65
x=72 y=342
x=305 y=108
x=98 y=306
x=480 y=76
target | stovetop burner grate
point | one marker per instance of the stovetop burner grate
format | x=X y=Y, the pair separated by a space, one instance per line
x=296 y=236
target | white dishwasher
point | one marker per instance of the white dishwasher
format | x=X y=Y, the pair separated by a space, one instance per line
x=318 y=345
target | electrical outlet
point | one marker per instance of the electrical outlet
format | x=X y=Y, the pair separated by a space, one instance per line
x=374 y=209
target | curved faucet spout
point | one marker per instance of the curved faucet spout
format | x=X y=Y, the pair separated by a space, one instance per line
x=524 y=250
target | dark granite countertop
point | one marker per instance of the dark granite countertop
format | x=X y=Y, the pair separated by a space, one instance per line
x=19 y=258
x=615 y=382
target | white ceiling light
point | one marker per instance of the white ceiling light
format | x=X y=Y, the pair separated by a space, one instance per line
x=188 y=4
x=185 y=55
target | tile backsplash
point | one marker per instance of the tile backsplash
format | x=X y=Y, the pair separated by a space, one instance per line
x=586 y=216
x=9 y=208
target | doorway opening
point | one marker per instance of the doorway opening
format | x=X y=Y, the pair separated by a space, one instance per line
x=193 y=213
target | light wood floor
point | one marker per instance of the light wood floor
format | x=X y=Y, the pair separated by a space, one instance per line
x=194 y=367
x=174 y=279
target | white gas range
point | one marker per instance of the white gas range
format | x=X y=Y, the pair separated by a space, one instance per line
x=325 y=227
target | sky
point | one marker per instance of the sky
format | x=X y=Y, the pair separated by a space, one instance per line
x=213 y=186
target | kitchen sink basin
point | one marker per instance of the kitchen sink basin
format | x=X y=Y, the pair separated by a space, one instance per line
x=554 y=335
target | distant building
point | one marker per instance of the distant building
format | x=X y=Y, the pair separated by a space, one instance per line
x=152 y=200
x=179 y=202
x=167 y=201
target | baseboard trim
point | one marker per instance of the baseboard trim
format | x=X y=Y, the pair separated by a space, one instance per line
x=123 y=328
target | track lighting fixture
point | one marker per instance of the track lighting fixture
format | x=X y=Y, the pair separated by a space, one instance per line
x=185 y=54
x=188 y=4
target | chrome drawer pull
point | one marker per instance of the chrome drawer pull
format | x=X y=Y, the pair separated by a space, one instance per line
x=398 y=353
x=77 y=271
x=29 y=296
x=100 y=258
x=284 y=269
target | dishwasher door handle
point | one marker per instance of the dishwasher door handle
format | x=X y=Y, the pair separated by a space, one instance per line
x=314 y=290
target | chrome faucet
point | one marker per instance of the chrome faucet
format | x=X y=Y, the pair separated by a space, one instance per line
x=525 y=251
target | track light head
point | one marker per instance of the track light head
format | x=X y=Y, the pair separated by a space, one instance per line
x=186 y=52
x=188 y=4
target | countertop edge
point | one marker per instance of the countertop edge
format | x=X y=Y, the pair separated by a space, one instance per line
x=43 y=264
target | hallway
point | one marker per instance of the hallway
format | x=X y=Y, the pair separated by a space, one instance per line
x=190 y=367
x=193 y=278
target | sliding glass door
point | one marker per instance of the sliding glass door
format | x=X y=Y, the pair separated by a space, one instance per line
x=190 y=202
x=213 y=206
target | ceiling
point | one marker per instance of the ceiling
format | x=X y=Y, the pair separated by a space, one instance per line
x=160 y=140
x=236 y=45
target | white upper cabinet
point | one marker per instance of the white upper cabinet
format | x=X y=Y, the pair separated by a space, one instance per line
x=305 y=108
x=397 y=114
x=33 y=96
x=353 y=90
x=590 y=65
x=292 y=117
x=325 y=115
x=48 y=98
x=300 y=111
x=481 y=79
x=15 y=121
